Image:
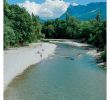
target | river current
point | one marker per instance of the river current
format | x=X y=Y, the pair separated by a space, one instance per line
x=69 y=74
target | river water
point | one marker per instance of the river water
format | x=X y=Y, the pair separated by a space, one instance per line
x=70 y=74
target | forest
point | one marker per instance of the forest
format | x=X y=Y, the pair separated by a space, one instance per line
x=21 y=28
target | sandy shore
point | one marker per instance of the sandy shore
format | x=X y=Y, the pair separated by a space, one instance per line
x=91 y=51
x=16 y=60
x=70 y=42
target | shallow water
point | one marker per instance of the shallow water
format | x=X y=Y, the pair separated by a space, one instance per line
x=61 y=78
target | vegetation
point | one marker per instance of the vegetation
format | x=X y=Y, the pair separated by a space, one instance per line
x=93 y=31
x=103 y=55
x=20 y=28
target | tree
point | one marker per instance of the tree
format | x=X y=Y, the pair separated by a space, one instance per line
x=20 y=24
x=98 y=17
x=36 y=29
x=9 y=37
x=85 y=29
x=103 y=55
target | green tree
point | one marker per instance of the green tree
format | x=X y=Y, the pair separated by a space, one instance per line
x=22 y=25
x=36 y=29
x=9 y=37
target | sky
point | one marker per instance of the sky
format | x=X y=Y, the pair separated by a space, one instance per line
x=49 y=9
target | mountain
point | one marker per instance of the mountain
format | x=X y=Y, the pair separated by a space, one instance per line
x=86 y=12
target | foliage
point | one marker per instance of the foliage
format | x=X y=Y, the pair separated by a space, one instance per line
x=20 y=27
x=9 y=36
x=92 y=31
x=103 y=55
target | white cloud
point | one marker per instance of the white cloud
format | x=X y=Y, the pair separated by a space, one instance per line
x=93 y=11
x=47 y=10
x=75 y=4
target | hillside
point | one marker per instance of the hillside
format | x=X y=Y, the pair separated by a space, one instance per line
x=86 y=12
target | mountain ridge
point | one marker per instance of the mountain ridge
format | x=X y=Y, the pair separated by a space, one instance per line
x=86 y=12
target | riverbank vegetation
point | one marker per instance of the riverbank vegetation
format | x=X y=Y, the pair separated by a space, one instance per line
x=21 y=28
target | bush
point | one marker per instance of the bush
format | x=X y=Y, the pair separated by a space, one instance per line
x=103 y=56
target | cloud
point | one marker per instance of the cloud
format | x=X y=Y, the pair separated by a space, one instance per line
x=74 y=4
x=49 y=9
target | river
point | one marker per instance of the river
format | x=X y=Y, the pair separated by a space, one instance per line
x=70 y=74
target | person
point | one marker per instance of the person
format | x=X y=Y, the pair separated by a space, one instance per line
x=41 y=45
x=43 y=49
x=38 y=52
x=41 y=55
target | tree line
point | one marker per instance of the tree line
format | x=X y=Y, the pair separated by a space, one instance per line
x=21 y=28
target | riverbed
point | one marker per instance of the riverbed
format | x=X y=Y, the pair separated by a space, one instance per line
x=69 y=74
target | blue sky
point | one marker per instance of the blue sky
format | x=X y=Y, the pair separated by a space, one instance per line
x=41 y=1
